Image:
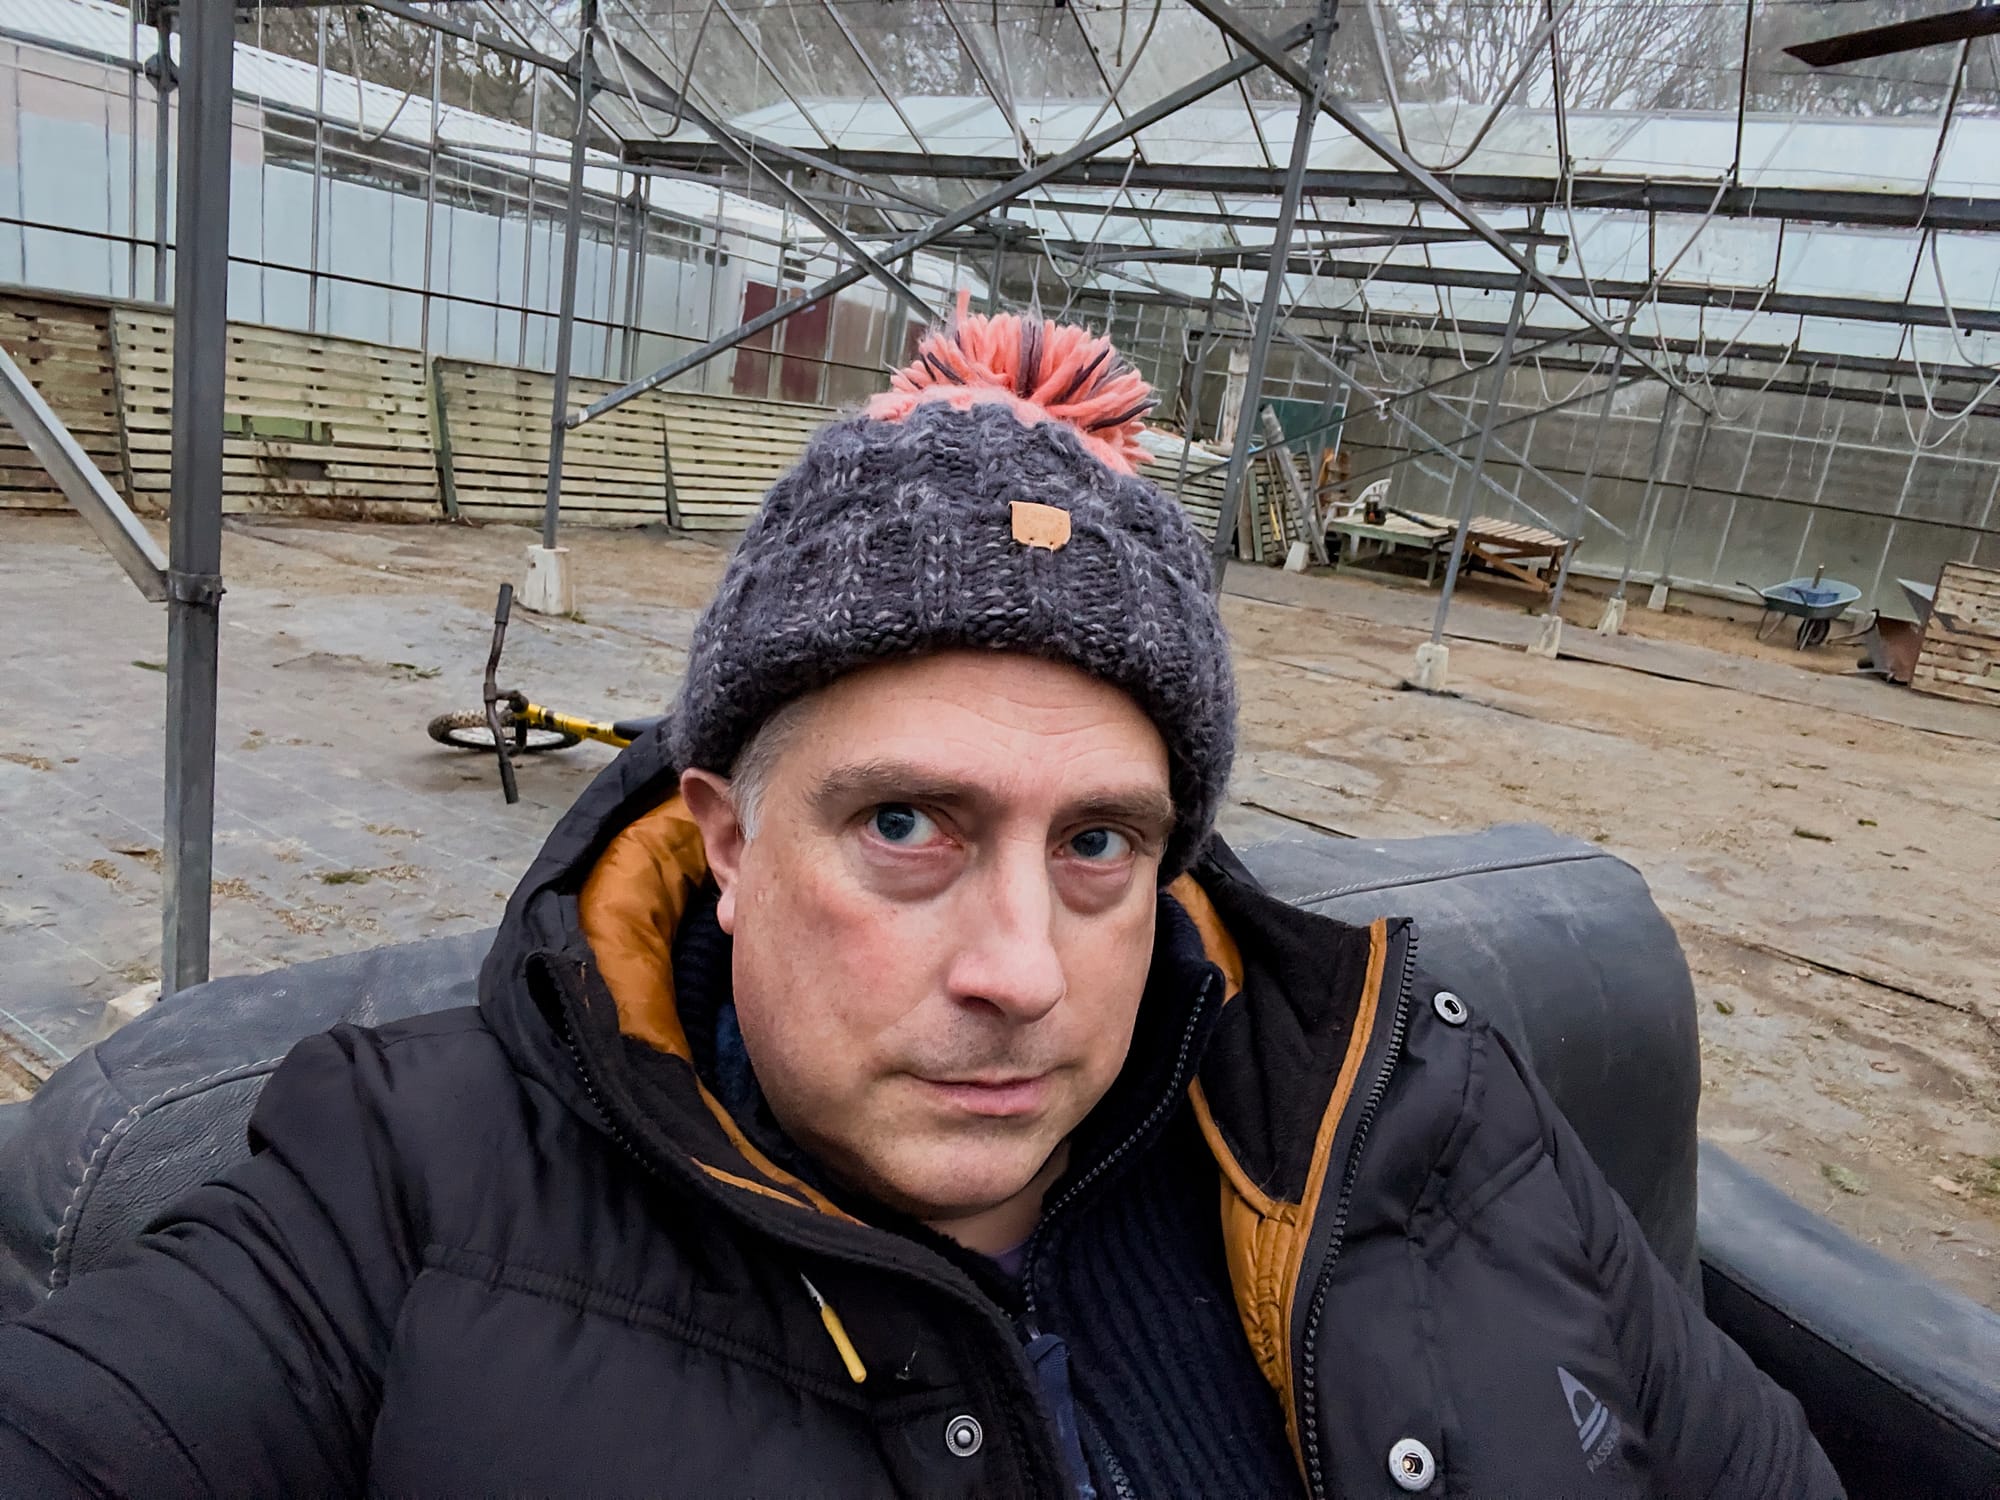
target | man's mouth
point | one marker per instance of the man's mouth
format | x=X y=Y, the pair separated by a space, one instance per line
x=996 y=1096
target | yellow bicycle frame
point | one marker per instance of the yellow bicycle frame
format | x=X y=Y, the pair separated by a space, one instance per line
x=537 y=717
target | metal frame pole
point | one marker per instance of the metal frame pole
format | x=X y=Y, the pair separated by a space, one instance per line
x=958 y=218
x=1641 y=523
x=132 y=153
x=1310 y=94
x=319 y=168
x=1665 y=579
x=1583 y=488
x=636 y=256
x=163 y=96
x=194 y=546
x=999 y=264
x=528 y=224
x=566 y=306
x=430 y=192
x=1191 y=396
x=1494 y=397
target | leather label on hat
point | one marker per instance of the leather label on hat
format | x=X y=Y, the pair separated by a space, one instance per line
x=1043 y=526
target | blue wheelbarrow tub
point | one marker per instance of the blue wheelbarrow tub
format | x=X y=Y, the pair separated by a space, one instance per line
x=1809 y=600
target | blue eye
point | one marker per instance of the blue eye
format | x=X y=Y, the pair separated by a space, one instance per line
x=1100 y=845
x=898 y=823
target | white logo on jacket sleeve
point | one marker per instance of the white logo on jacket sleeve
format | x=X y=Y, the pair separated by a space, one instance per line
x=1596 y=1429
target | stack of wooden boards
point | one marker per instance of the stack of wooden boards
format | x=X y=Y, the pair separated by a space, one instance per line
x=312 y=425
x=347 y=429
x=65 y=349
x=697 y=461
x=1961 y=650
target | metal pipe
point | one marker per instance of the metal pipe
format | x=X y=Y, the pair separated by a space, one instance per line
x=1642 y=527
x=430 y=193
x=528 y=229
x=132 y=149
x=1687 y=495
x=319 y=168
x=1604 y=192
x=635 y=280
x=993 y=276
x=1743 y=92
x=1191 y=396
x=194 y=546
x=1583 y=489
x=566 y=309
x=163 y=91
x=1492 y=415
x=1310 y=94
x=1159 y=110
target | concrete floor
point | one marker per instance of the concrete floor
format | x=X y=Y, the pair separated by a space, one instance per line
x=1825 y=845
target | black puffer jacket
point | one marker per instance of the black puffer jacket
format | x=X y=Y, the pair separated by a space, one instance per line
x=522 y=1250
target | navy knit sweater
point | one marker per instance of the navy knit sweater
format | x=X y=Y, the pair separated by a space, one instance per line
x=1124 y=1301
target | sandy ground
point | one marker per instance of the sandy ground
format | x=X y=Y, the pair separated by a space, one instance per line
x=1826 y=846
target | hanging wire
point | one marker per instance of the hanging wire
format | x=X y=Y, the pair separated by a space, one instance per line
x=1125 y=75
x=687 y=72
x=350 y=13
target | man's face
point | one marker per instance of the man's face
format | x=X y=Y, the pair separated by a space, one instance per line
x=944 y=922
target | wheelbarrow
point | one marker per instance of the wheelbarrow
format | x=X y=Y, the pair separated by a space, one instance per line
x=1815 y=602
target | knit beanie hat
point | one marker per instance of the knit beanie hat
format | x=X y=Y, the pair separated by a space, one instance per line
x=989 y=501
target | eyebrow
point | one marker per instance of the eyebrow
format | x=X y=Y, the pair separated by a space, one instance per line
x=1145 y=809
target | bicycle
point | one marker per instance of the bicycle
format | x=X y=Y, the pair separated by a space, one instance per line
x=508 y=724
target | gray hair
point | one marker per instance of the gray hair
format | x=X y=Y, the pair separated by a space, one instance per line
x=750 y=775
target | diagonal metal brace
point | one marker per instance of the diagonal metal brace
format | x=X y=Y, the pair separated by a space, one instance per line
x=82 y=481
x=1043 y=171
x=1229 y=21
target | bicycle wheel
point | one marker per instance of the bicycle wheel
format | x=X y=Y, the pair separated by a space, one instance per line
x=468 y=730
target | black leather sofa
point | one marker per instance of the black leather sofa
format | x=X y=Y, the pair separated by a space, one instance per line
x=1900 y=1377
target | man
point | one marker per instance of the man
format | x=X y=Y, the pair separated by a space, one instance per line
x=884 y=1083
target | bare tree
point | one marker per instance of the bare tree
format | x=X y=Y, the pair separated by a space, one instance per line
x=388 y=50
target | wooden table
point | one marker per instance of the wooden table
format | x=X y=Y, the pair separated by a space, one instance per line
x=1392 y=532
x=1509 y=548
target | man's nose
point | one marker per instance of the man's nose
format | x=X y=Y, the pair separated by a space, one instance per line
x=1007 y=956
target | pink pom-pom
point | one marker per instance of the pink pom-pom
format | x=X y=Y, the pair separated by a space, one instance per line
x=1041 y=370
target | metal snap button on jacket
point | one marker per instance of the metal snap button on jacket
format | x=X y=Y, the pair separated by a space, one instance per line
x=963 y=1435
x=1411 y=1464
x=1451 y=1010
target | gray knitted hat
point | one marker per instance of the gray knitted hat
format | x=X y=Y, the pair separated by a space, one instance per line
x=986 y=501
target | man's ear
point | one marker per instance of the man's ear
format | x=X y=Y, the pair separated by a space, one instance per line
x=713 y=809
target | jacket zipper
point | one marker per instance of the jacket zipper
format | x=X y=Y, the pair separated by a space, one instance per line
x=1308 y=1381
x=567 y=1032
x=1026 y=1327
x=1144 y=1128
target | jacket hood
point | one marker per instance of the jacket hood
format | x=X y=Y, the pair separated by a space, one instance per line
x=579 y=986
